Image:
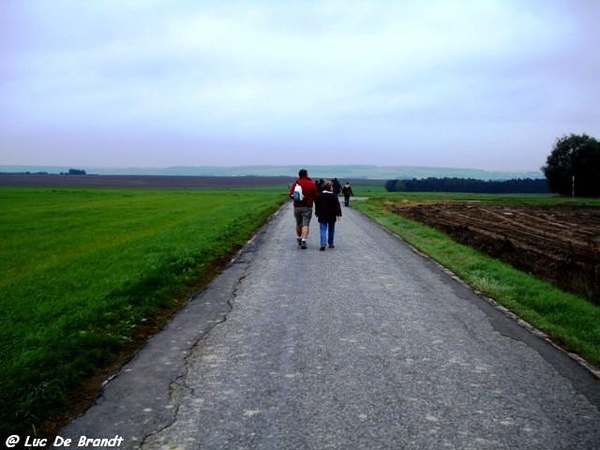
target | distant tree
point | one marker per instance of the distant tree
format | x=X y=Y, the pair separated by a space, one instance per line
x=394 y=185
x=390 y=185
x=75 y=172
x=574 y=156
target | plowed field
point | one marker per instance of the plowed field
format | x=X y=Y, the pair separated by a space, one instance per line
x=560 y=244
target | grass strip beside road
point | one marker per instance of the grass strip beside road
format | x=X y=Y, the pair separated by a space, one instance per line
x=571 y=321
x=84 y=270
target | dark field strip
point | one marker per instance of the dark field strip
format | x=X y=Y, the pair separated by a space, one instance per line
x=151 y=181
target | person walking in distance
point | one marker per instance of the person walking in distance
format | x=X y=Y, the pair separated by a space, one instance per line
x=328 y=210
x=304 y=192
x=347 y=191
x=337 y=186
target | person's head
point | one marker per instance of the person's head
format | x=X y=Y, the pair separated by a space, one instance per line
x=327 y=185
x=303 y=173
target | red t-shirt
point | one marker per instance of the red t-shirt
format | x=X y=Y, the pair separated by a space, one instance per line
x=309 y=189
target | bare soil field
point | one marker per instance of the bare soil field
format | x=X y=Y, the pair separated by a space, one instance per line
x=150 y=181
x=560 y=244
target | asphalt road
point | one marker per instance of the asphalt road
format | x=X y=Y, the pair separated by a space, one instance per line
x=365 y=346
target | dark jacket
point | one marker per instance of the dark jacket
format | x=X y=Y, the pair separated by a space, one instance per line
x=327 y=207
x=337 y=187
x=309 y=189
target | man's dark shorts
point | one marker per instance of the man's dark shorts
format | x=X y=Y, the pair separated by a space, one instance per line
x=303 y=215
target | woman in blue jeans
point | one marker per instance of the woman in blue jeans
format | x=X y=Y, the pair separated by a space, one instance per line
x=327 y=210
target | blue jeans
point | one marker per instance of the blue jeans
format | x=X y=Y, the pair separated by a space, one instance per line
x=327 y=233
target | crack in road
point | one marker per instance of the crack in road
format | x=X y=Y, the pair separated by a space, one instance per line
x=180 y=384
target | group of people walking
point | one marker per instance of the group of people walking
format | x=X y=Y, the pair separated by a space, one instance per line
x=324 y=196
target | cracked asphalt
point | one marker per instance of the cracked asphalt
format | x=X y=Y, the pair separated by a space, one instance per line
x=365 y=346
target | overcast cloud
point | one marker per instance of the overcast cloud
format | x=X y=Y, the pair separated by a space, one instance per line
x=469 y=84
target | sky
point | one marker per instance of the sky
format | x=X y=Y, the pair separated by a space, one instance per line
x=477 y=84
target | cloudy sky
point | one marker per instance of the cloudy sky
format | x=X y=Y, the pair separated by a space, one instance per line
x=470 y=84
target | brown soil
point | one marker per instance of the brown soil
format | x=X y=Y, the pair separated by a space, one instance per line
x=560 y=244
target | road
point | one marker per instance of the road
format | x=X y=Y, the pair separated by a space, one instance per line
x=365 y=346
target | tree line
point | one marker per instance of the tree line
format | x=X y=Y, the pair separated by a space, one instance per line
x=74 y=172
x=572 y=168
x=471 y=185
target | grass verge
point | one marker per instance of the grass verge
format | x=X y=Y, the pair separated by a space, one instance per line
x=569 y=320
x=85 y=273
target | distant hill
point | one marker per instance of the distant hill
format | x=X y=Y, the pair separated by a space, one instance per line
x=342 y=171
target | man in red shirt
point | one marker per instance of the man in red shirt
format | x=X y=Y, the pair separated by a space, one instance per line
x=303 y=208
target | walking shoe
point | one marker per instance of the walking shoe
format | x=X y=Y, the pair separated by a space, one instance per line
x=299 y=241
x=322 y=248
x=332 y=246
x=303 y=245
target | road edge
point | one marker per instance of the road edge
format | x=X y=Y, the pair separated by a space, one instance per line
x=589 y=367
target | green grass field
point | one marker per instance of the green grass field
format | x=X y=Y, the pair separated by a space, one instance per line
x=571 y=321
x=81 y=270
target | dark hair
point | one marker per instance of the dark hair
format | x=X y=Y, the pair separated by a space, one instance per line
x=303 y=173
